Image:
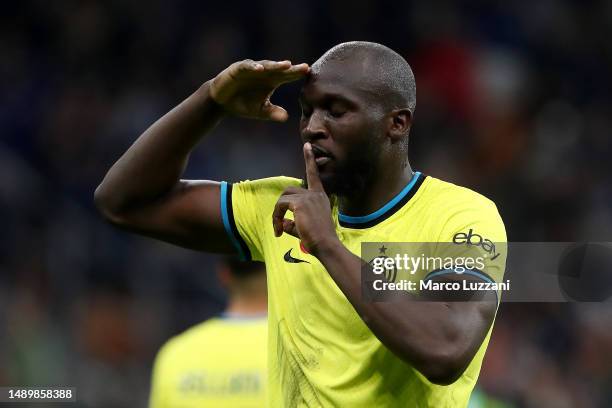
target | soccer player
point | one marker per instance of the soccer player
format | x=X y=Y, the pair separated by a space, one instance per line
x=328 y=344
x=222 y=361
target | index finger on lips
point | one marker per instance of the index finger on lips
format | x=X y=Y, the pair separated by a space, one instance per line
x=312 y=172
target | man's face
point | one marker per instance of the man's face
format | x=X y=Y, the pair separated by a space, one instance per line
x=344 y=129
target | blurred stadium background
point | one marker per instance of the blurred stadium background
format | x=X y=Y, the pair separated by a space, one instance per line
x=514 y=101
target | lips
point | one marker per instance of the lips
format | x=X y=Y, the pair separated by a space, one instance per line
x=320 y=152
x=322 y=160
x=322 y=156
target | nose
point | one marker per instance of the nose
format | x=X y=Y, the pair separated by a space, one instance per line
x=314 y=127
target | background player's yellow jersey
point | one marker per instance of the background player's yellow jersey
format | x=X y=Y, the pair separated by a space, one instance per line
x=321 y=353
x=218 y=363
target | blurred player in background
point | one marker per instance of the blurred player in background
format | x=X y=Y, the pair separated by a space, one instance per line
x=481 y=399
x=222 y=361
x=329 y=346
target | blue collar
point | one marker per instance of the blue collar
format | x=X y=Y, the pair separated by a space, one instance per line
x=386 y=210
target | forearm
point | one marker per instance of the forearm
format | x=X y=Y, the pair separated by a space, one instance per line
x=152 y=166
x=419 y=332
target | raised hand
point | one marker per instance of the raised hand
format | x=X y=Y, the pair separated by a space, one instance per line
x=244 y=88
x=313 y=223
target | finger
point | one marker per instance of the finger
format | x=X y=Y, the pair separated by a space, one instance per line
x=292 y=73
x=290 y=228
x=278 y=215
x=273 y=112
x=275 y=65
x=285 y=72
x=312 y=172
x=292 y=190
x=283 y=204
x=285 y=68
x=298 y=69
x=248 y=65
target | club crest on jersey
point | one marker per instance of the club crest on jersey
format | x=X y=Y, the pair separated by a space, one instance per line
x=390 y=273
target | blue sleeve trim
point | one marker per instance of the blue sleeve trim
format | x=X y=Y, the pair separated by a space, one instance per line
x=471 y=272
x=227 y=216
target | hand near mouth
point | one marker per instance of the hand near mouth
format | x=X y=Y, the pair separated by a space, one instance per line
x=313 y=223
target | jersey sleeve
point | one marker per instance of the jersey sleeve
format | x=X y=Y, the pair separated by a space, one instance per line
x=158 y=393
x=474 y=234
x=246 y=209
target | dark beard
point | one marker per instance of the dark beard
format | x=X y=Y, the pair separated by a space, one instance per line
x=353 y=176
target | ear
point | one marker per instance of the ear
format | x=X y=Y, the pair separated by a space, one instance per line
x=400 y=121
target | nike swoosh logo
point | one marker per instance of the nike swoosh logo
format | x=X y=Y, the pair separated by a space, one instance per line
x=290 y=259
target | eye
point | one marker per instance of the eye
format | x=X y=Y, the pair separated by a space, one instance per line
x=337 y=113
x=337 y=110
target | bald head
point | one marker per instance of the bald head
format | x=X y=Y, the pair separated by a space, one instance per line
x=379 y=70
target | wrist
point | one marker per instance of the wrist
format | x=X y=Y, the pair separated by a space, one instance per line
x=208 y=103
x=327 y=247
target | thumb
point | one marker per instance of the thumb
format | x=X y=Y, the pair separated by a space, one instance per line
x=274 y=112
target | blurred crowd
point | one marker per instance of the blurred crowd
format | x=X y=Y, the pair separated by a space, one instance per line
x=513 y=100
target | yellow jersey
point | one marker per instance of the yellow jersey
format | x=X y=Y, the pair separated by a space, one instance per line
x=218 y=363
x=321 y=354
